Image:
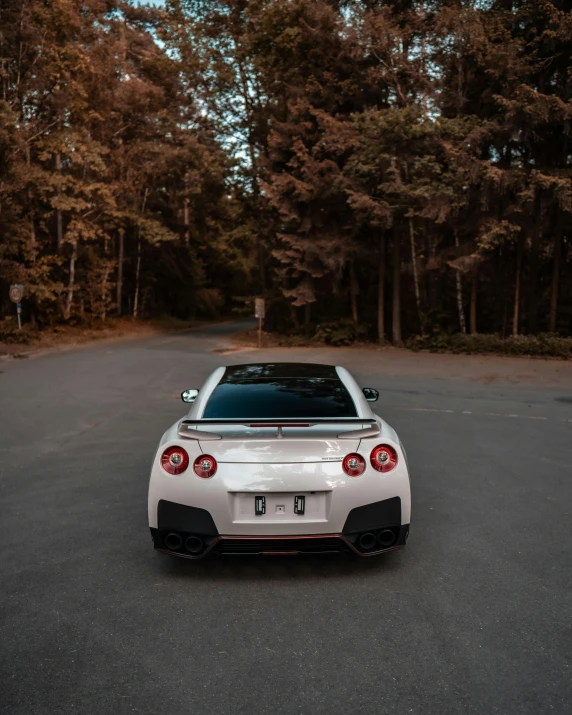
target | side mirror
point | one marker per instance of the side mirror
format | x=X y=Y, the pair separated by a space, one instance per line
x=371 y=395
x=189 y=395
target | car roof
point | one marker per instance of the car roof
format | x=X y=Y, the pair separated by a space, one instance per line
x=278 y=370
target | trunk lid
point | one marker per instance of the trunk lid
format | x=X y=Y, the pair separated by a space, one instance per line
x=271 y=445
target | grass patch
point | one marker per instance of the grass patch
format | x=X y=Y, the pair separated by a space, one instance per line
x=342 y=333
x=546 y=345
x=9 y=332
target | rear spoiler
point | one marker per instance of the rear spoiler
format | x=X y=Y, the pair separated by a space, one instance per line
x=188 y=429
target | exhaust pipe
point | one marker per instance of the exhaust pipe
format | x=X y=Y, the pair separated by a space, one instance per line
x=386 y=538
x=367 y=541
x=173 y=541
x=193 y=544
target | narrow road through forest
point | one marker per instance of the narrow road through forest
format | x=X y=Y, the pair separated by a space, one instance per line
x=473 y=617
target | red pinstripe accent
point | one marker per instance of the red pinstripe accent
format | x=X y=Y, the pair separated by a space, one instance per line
x=285 y=537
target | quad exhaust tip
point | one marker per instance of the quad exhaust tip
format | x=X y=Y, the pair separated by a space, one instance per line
x=173 y=541
x=193 y=544
x=386 y=538
x=367 y=541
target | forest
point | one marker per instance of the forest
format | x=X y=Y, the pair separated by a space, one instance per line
x=383 y=171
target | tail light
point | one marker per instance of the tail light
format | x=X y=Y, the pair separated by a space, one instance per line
x=175 y=460
x=354 y=465
x=205 y=466
x=383 y=458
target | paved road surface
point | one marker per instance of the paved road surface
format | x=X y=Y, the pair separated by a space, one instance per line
x=473 y=617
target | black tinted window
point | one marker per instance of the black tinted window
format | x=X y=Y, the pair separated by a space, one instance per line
x=275 y=398
x=278 y=371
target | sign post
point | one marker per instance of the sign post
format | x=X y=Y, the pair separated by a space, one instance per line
x=259 y=313
x=16 y=295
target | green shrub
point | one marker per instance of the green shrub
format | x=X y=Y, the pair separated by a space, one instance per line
x=336 y=333
x=9 y=332
x=542 y=345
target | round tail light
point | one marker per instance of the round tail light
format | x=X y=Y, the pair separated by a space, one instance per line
x=205 y=466
x=174 y=460
x=354 y=465
x=383 y=458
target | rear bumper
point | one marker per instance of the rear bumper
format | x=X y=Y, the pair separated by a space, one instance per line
x=281 y=545
x=219 y=496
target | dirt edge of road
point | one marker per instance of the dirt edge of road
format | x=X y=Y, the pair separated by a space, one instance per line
x=69 y=338
x=363 y=359
x=399 y=362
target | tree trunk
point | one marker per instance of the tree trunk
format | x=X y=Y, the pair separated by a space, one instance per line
x=103 y=313
x=473 y=312
x=32 y=239
x=532 y=286
x=251 y=143
x=294 y=316
x=186 y=221
x=459 y=286
x=423 y=61
x=59 y=222
x=381 y=291
x=187 y=235
x=261 y=266
x=138 y=266
x=519 y=250
x=120 y=270
x=307 y=314
x=353 y=297
x=71 y=284
x=108 y=265
x=137 y=274
x=555 y=278
x=430 y=250
x=416 y=277
x=396 y=325
x=33 y=246
x=460 y=301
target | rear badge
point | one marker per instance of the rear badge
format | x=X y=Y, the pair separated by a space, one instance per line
x=299 y=505
x=259 y=506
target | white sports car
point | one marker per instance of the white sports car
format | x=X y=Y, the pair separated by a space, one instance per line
x=279 y=458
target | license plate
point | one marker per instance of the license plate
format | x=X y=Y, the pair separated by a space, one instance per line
x=279 y=506
x=299 y=505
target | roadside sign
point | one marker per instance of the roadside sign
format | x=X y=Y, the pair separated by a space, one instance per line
x=259 y=308
x=16 y=292
x=259 y=313
x=16 y=295
x=19 y=313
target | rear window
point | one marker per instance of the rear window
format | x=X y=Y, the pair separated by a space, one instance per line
x=280 y=397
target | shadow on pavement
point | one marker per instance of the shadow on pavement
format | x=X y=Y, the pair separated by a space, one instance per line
x=221 y=568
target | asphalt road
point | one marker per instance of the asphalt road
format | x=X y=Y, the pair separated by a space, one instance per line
x=472 y=617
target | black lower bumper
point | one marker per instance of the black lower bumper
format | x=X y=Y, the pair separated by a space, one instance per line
x=191 y=533
x=187 y=545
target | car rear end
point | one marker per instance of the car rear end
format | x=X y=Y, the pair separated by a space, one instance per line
x=272 y=484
